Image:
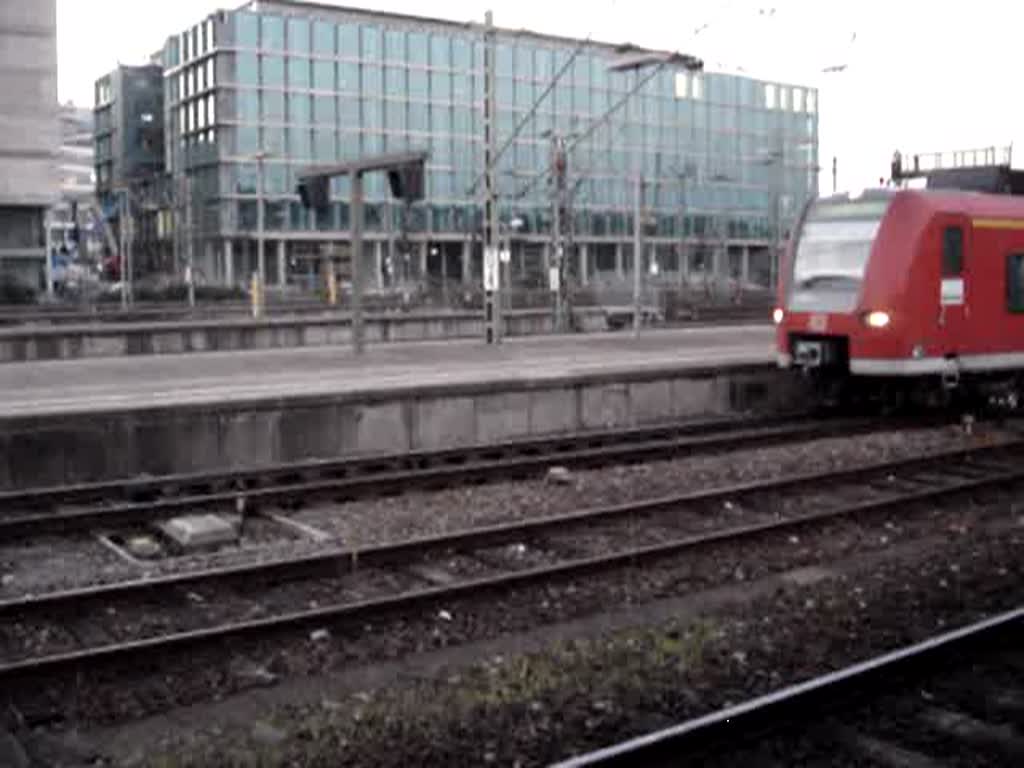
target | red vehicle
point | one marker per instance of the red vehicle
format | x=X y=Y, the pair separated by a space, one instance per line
x=906 y=288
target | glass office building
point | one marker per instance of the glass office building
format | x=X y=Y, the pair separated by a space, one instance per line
x=286 y=85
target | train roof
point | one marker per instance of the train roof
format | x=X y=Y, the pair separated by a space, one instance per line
x=966 y=202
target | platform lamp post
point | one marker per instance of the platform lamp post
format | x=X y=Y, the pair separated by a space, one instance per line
x=631 y=60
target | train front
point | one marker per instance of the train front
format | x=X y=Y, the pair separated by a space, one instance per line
x=819 y=308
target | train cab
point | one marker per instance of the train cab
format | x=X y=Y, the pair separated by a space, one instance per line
x=904 y=285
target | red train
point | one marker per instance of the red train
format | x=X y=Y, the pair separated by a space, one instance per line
x=895 y=290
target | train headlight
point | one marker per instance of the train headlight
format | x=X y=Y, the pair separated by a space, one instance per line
x=877 y=319
x=777 y=315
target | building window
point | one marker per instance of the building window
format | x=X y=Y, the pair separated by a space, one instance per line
x=952 y=252
x=324 y=146
x=418 y=84
x=247 y=29
x=272 y=29
x=323 y=110
x=247 y=70
x=1015 y=282
x=323 y=75
x=210 y=38
x=211 y=110
x=298 y=73
x=272 y=71
x=299 y=143
x=440 y=51
x=299 y=109
x=273 y=106
x=418 y=48
x=812 y=102
x=348 y=37
x=394 y=45
x=373 y=81
x=323 y=38
x=185 y=42
x=298 y=35
x=247 y=142
x=210 y=77
x=371 y=43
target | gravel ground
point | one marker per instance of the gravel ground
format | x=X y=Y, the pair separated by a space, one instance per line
x=576 y=696
x=472 y=619
x=372 y=521
x=60 y=563
x=206 y=605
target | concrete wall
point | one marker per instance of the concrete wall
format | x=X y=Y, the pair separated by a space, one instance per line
x=115 y=340
x=45 y=451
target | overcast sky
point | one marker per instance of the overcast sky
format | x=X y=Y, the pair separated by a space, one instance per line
x=918 y=76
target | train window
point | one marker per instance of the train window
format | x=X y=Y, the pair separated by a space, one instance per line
x=952 y=252
x=1015 y=282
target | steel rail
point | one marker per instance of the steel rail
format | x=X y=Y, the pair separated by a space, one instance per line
x=339 y=562
x=363 y=476
x=806 y=700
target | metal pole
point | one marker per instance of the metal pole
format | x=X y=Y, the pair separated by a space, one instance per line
x=492 y=301
x=556 y=229
x=261 y=258
x=124 y=249
x=637 y=252
x=834 y=162
x=776 y=241
x=129 y=249
x=356 y=206
x=190 y=264
x=683 y=263
x=48 y=244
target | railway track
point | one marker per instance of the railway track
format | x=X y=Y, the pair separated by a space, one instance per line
x=953 y=699
x=60 y=634
x=40 y=511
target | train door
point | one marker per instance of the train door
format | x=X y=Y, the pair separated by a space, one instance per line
x=954 y=287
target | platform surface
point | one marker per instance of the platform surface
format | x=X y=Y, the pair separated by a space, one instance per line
x=77 y=386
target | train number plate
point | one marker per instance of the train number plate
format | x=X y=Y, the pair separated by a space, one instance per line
x=818 y=323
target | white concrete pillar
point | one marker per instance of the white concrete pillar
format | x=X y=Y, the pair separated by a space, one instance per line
x=745 y=265
x=210 y=265
x=282 y=263
x=620 y=268
x=467 y=263
x=378 y=264
x=229 y=262
x=423 y=262
x=584 y=266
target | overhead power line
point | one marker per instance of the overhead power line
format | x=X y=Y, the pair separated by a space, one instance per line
x=594 y=125
x=531 y=113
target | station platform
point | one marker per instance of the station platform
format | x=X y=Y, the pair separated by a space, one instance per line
x=77 y=421
x=44 y=340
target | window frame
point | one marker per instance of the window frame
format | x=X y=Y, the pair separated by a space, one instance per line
x=946 y=266
x=1014 y=288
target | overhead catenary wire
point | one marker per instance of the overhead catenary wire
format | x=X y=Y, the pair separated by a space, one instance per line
x=594 y=125
x=532 y=111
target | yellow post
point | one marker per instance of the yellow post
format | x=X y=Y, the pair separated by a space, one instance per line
x=256 y=292
x=332 y=286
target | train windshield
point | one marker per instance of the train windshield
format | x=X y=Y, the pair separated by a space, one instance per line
x=832 y=254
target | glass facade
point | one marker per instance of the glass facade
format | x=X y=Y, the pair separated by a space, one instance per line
x=308 y=85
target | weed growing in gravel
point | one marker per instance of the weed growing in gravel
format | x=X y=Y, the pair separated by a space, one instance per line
x=587 y=680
